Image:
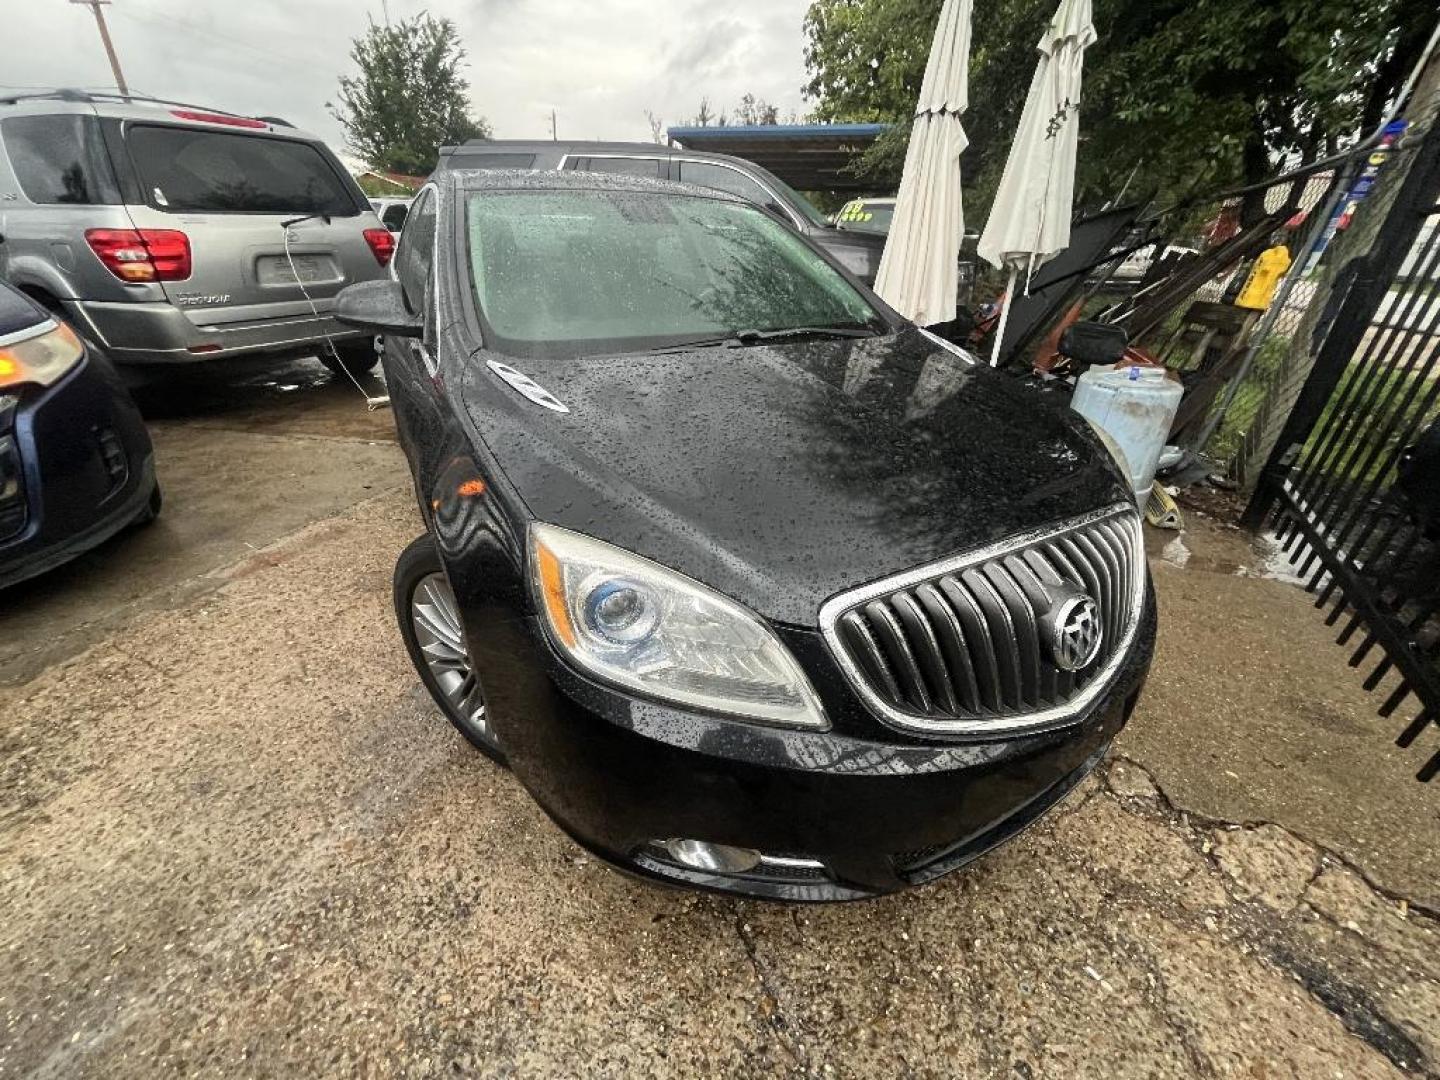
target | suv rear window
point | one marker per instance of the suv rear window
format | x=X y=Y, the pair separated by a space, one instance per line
x=60 y=159
x=220 y=172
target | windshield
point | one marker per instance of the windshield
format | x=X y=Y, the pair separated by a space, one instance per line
x=566 y=273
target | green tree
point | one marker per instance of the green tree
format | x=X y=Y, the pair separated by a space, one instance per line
x=752 y=111
x=409 y=98
x=1187 y=94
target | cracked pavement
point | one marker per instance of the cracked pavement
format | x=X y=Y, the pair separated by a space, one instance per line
x=236 y=839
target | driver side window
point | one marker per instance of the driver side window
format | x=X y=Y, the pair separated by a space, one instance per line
x=417 y=245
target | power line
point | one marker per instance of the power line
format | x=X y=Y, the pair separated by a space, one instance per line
x=170 y=22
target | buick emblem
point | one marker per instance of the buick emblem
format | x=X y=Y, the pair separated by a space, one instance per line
x=1075 y=632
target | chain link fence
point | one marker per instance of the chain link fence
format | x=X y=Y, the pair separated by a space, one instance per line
x=1187 y=301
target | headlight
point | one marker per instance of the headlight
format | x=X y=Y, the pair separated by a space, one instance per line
x=48 y=352
x=638 y=625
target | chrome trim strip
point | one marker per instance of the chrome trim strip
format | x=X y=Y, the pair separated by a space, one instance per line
x=784 y=862
x=527 y=387
x=1056 y=716
x=789 y=213
x=37 y=330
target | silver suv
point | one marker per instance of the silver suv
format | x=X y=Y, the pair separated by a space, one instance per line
x=170 y=233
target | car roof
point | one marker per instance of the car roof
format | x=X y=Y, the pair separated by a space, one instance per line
x=563 y=146
x=139 y=107
x=545 y=180
x=550 y=148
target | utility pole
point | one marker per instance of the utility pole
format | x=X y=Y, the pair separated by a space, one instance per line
x=553 y=136
x=95 y=5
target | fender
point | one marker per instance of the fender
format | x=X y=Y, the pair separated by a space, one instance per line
x=29 y=272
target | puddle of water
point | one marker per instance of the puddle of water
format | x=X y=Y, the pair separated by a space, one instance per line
x=1175 y=552
x=1279 y=565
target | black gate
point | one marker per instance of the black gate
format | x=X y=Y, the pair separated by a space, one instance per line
x=1353 y=486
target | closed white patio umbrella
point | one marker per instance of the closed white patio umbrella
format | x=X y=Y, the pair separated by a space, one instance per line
x=1030 y=219
x=919 y=272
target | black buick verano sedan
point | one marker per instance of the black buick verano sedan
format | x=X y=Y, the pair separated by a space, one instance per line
x=756 y=586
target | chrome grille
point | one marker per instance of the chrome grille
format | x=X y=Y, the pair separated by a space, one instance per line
x=968 y=645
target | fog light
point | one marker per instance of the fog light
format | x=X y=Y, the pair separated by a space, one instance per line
x=712 y=858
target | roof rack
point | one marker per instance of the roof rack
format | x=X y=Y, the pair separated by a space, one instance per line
x=69 y=94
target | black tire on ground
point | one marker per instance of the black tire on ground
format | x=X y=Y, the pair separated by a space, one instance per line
x=357 y=357
x=152 y=508
x=416 y=563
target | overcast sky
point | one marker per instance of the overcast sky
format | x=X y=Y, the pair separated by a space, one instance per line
x=599 y=63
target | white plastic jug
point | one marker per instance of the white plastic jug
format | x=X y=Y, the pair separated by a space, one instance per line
x=1135 y=406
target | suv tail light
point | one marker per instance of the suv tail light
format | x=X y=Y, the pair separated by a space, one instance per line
x=142 y=254
x=382 y=244
x=219 y=118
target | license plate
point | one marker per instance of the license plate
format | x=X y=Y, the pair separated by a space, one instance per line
x=309 y=270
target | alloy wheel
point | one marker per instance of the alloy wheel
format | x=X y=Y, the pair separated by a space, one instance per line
x=436 y=621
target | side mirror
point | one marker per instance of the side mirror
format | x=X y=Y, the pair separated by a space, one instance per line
x=379 y=308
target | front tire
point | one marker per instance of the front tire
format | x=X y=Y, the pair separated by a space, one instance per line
x=152 y=506
x=353 y=359
x=435 y=639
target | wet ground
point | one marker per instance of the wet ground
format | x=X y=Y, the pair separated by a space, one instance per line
x=235 y=838
x=242 y=462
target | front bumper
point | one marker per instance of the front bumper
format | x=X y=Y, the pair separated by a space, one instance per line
x=160 y=333
x=881 y=812
x=84 y=465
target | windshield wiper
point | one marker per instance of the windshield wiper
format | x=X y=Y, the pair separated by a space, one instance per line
x=751 y=337
x=741 y=338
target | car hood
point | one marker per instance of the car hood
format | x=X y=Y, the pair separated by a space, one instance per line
x=784 y=474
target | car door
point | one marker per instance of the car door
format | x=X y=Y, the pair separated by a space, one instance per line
x=417 y=392
x=413 y=261
x=232 y=193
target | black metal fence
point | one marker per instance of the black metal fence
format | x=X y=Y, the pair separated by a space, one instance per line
x=1352 y=488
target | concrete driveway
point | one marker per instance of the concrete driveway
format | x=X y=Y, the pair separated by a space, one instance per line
x=236 y=839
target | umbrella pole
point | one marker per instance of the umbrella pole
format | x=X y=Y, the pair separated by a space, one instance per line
x=1004 y=318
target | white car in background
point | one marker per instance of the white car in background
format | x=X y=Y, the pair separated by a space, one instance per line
x=392 y=212
x=866 y=215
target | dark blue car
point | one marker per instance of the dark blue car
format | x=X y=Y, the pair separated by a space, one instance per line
x=76 y=464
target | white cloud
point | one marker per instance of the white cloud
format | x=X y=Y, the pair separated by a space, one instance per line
x=600 y=65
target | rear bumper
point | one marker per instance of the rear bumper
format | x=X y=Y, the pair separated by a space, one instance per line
x=86 y=466
x=160 y=333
